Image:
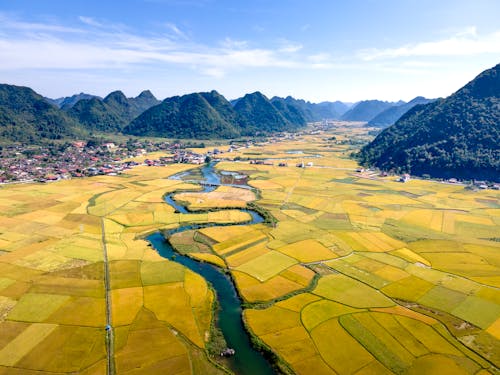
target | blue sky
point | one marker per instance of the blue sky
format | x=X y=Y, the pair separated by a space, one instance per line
x=316 y=50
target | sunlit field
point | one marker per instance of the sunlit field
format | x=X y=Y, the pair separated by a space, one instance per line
x=361 y=274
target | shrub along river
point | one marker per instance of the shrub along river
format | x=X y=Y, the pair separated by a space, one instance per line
x=247 y=360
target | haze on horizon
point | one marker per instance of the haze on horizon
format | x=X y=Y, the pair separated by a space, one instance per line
x=317 y=50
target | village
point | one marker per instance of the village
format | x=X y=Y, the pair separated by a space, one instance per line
x=22 y=164
x=29 y=163
x=19 y=163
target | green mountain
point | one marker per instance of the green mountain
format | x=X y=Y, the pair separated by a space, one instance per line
x=392 y=114
x=27 y=117
x=210 y=115
x=329 y=110
x=221 y=105
x=198 y=115
x=367 y=110
x=113 y=112
x=454 y=137
x=256 y=114
x=312 y=111
x=142 y=102
x=69 y=101
x=290 y=110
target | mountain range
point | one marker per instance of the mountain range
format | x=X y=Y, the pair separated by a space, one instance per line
x=367 y=109
x=26 y=116
x=70 y=101
x=393 y=113
x=197 y=115
x=458 y=136
x=112 y=113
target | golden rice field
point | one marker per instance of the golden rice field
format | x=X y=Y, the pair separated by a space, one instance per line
x=361 y=274
x=52 y=300
x=408 y=272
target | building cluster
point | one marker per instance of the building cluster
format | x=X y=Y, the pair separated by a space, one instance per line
x=53 y=162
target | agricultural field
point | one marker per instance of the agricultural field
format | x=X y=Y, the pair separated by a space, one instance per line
x=52 y=295
x=222 y=197
x=358 y=274
x=406 y=273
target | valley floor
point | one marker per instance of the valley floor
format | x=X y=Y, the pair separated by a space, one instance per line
x=361 y=274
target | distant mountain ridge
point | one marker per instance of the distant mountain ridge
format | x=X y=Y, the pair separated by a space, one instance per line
x=392 y=114
x=70 y=101
x=458 y=136
x=366 y=110
x=314 y=111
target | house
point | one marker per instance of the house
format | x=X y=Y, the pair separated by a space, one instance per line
x=109 y=146
x=404 y=178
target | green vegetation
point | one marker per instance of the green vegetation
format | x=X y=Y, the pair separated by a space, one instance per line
x=454 y=137
x=258 y=115
x=27 y=117
x=113 y=112
x=392 y=114
x=366 y=110
x=188 y=116
x=210 y=115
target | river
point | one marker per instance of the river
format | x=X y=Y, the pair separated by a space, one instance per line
x=247 y=360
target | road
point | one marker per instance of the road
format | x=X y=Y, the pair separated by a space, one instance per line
x=110 y=339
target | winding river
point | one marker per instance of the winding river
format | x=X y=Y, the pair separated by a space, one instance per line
x=247 y=360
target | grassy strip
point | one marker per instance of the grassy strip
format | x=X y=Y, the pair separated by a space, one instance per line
x=269 y=219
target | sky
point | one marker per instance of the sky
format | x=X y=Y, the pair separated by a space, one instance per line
x=317 y=50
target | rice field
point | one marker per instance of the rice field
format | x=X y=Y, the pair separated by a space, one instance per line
x=360 y=275
x=52 y=305
x=401 y=266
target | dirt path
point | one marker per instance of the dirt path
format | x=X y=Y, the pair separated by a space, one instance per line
x=110 y=340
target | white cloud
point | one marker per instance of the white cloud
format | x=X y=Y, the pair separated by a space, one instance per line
x=103 y=46
x=16 y=26
x=90 y=21
x=177 y=32
x=465 y=43
x=232 y=43
x=289 y=47
x=319 y=58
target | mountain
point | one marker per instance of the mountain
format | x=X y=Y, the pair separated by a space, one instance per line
x=330 y=110
x=313 y=111
x=392 y=114
x=210 y=115
x=454 y=137
x=143 y=101
x=197 y=115
x=256 y=114
x=113 y=112
x=291 y=110
x=367 y=110
x=221 y=105
x=70 y=101
x=26 y=116
x=95 y=114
